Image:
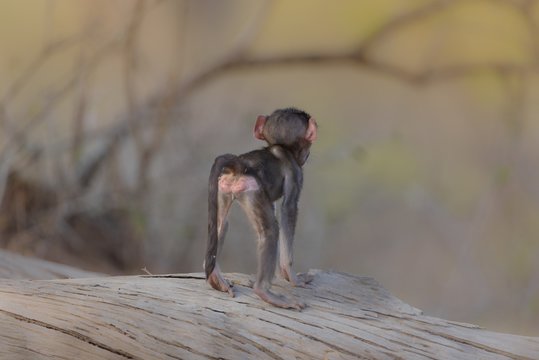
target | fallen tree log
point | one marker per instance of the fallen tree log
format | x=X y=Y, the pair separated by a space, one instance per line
x=180 y=317
x=15 y=266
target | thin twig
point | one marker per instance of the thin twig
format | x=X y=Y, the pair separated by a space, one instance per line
x=46 y=53
x=130 y=68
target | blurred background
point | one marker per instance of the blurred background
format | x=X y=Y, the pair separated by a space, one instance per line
x=424 y=176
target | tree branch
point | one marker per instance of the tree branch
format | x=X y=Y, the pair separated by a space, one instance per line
x=401 y=21
x=180 y=316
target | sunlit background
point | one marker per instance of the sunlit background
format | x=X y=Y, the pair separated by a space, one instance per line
x=425 y=174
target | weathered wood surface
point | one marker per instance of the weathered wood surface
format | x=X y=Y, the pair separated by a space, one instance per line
x=14 y=266
x=179 y=317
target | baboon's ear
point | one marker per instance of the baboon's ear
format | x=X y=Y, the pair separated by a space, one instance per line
x=259 y=127
x=310 y=134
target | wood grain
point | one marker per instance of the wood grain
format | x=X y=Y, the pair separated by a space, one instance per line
x=180 y=317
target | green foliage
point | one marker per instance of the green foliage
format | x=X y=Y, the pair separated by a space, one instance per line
x=389 y=167
x=138 y=221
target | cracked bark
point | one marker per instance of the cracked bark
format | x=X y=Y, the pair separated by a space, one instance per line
x=180 y=317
